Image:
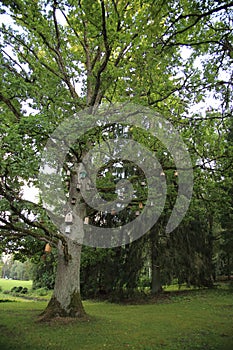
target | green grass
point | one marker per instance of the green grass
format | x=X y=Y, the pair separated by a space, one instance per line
x=8 y=284
x=196 y=320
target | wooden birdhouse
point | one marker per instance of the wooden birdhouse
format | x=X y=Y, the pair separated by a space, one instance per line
x=137 y=213
x=86 y=220
x=82 y=174
x=113 y=212
x=47 y=248
x=67 y=229
x=162 y=173
x=140 y=205
x=176 y=173
x=143 y=183
x=69 y=218
x=68 y=173
x=73 y=201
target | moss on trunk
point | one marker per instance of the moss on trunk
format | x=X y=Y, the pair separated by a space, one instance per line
x=54 y=309
x=76 y=307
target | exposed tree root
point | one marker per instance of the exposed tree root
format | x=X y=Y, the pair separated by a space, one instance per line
x=54 y=310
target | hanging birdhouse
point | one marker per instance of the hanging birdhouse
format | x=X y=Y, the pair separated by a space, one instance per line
x=140 y=205
x=69 y=218
x=143 y=183
x=176 y=173
x=83 y=174
x=47 y=248
x=113 y=212
x=137 y=213
x=162 y=173
x=73 y=200
x=68 y=173
x=67 y=229
x=86 y=220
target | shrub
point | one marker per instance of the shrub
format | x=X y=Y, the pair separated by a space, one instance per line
x=6 y=292
x=0 y=289
x=24 y=290
x=17 y=289
x=42 y=292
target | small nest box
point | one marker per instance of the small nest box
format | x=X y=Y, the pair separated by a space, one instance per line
x=82 y=174
x=86 y=220
x=69 y=218
x=67 y=229
x=73 y=201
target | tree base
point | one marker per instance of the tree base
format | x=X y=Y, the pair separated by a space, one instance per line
x=54 y=309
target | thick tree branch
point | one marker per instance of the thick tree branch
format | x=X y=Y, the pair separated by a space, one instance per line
x=97 y=94
x=58 y=37
x=10 y=105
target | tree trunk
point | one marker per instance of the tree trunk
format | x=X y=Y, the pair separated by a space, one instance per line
x=66 y=300
x=156 y=286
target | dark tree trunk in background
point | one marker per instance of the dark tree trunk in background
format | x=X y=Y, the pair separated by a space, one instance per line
x=156 y=286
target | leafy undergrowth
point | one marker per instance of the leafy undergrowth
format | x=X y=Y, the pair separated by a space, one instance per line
x=196 y=320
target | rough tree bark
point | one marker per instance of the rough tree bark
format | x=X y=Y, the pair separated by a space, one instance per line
x=66 y=299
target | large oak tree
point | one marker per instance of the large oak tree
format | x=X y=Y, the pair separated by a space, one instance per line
x=59 y=57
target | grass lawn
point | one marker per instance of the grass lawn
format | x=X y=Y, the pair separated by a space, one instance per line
x=196 y=320
x=8 y=284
